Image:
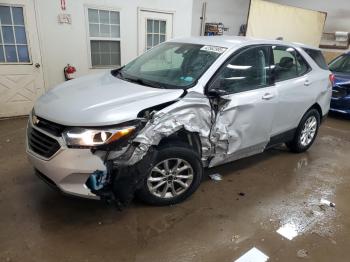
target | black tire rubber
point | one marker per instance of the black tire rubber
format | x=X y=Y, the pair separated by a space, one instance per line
x=172 y=150
x=295 y=145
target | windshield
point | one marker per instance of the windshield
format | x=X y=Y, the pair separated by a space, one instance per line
x=171 y=65
x=341 y=64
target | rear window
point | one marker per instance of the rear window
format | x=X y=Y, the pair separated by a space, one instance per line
x=317 y=56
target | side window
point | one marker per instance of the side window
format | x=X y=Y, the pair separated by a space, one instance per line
x=302 y=65
x=246 y=71
x=317 y=56
x=285 y=63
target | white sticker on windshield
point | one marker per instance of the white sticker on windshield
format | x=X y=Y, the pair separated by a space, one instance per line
x=216 y=49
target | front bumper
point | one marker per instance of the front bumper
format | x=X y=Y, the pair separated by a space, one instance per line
x=68 y=169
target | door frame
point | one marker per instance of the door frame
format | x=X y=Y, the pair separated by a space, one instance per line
x=33 y=33
x=151 y=10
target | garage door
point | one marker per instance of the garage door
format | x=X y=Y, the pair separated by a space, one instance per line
x=21 y=76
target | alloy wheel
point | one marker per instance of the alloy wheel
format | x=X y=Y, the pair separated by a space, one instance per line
x=309 y=131
x=170 y=178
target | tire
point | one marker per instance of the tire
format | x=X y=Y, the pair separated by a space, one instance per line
x=302 y=143
x=191 y=175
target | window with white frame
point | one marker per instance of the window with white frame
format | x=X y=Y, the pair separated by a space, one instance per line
x=13 y=38
x=104 y=37
x=156 y=32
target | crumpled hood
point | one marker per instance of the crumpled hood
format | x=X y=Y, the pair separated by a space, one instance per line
x=98 y=100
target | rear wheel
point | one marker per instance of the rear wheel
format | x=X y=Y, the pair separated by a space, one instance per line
x=306 y=132
x=174 y=175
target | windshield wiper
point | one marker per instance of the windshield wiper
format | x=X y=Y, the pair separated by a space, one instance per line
x=141 y=81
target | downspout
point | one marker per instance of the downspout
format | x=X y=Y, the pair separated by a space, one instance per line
x=203 y=18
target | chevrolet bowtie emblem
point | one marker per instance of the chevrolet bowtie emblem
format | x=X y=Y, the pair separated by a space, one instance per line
x=35 y=120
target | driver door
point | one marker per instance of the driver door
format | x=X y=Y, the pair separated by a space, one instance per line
x=244 y=123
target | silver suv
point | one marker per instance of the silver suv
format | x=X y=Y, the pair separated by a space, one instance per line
x=150 y=127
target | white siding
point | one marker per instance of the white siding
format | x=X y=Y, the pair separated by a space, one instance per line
x=64 y=43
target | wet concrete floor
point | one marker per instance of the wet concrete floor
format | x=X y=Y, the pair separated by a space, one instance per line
x=216 y=224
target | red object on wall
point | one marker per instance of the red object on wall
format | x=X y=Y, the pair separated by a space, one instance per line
x=63 y=5
x=68 y=71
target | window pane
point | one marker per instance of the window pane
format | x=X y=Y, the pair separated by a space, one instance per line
x=104 y=17
x=161 y=38
x=95 y=60
x=23 y=55
x=162 y=27
x=115 y=47
x=105 y=30
x=105 y=53
x=149 y=40
x=20 y=35
x=246 y=71
x=285 y=64
x=17 y=13
x=317 y=56
x=95 y=46
x=156 y=26
x=115 y=31
x=155 y=39
x=105 y=59
x=105 y=46
x=115 y=59
x=0 y=35
x=93 y=16
x=167 y=64
x=5 y=15
x=8 y=35
x=302 y=65
x=115 y=18
x=10 y=51
x=149 y=26
x=2 y=56
x=94 y=30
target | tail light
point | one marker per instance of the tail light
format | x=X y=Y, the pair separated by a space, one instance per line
x=332 y=79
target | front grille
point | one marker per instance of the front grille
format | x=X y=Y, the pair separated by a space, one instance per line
x=50 y=127
x=42 y=144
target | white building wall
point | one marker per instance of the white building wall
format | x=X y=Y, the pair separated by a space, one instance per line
x=233 y=13
x=68 y=43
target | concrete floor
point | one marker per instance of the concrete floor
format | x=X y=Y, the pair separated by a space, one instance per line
x=216 y=224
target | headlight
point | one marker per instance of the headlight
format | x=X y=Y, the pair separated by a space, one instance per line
x=96 y=137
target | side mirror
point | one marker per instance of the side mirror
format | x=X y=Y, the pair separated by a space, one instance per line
x=216 y=93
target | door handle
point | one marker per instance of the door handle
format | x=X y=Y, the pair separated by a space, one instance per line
x=268 y=96
x=307 y=82
x=37 y=65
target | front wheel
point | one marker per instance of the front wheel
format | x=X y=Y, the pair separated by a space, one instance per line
x=174 y=175
x=306 y=132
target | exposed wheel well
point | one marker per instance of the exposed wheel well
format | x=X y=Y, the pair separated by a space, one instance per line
x=318 y=108
x=189 y=138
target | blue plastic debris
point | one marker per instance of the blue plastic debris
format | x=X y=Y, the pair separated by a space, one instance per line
x=187 y=78
x=97 y=180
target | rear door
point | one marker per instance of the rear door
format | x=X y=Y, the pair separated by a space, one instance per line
x=244 y=123
x=21 y=76
x=295 y=87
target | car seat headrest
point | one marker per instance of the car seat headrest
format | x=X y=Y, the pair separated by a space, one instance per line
x=286 y=62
